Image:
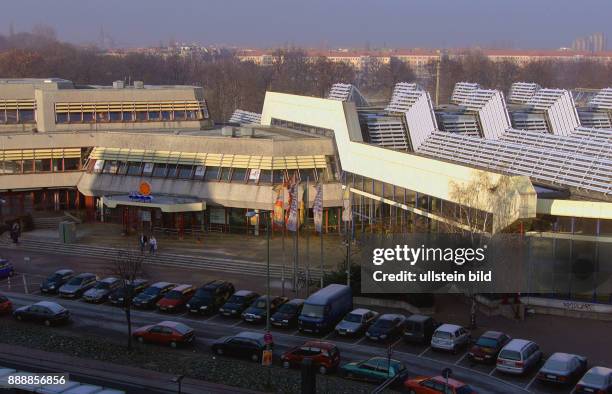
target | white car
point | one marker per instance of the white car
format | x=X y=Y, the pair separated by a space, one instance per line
x=450 y=337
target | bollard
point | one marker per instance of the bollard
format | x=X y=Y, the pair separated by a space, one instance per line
x=309 y=378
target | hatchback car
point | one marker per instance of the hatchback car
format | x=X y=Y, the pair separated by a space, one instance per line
x=288 y=313
x=257 y=312
x=165 y=333
x=6 y=306
x=419 y=329
x=6 y=269
x=376 y=370
x=488 y=346
x=175 y=299
x=245 y=345
x=386 y=327
x=56 y=280
x=598 y=380
x=238 y=302
x=210 y=297
x=562 y=368
x=356 y=322
x=450 y=337
x=149 y=297
x=118 y=296
x=43 y=312
x=518 y=356
x=325 y=356
x=78 y=285
x=437 y=385
x=102 y=289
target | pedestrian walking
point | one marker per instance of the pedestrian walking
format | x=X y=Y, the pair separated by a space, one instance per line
x=152 y=245
x=15 y=232
x=143 y=242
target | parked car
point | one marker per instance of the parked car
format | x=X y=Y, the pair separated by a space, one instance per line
x=562 y=368
x=518 y=356
x=56 y=280
x=376 y=370
x=356 y=322
x=102 y=289
x=165 y=333
x=149 y=297
x=325 y=308
x=6 y=269
x=210 y=297
x=78 y=285
x=246 y=345
x=419 y=329
x=238 y=302
x=450 y=337
x=117 y=297
x=287 y=314
x=598 y=380
x=325 y=356
x=175 y=299
x=437 y=385
x=6 y=306
x=387 y=326
x=487 y=347
x=257 y=312
x=46 y=312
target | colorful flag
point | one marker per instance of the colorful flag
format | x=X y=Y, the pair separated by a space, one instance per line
x=317 y=209
x=292 y=221
x=279 y=214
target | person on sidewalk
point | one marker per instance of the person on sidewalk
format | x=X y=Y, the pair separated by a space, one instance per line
x=15 y=232
x=143 y=242
x=152 y=245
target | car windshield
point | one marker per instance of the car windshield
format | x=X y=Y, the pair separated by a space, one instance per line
x=103 y=285
x=236 y=299
x=181 y=328
x=288 y=308
x=203 y=294
x=467 y=389
x=383 y=323
x=442 y=335
x=510 y=355
x=54 y=277
x=556 y=365
x=76 y=281
x=3 y=299
x=313 y=310
x=260 y=304
x=486 y=342
x=594 y=379
x=152 y=291
x=413 y=326
x=174 y=295
x=353 y=318
x=120 y=291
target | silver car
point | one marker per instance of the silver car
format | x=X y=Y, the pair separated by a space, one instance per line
x=563 y=368
x=518 y=356
x=356 y=322
x=450 y=337
x=101 y=290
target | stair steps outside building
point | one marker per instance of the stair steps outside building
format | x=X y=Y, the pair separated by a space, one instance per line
x=245 y=267
x=49 y=222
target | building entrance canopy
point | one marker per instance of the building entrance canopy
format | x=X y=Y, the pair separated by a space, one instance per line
x=165 y=203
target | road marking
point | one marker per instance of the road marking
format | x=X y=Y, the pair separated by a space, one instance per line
x=424 y=351
x=211 y=318
x=295 y=333
x=235 y=324
x=531 y=381
x=327 y=336
x=461 y=359
x=360 y=340
x=492 y=371
x=396 y=342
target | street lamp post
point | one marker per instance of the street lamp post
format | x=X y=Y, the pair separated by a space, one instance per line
x=266 y=215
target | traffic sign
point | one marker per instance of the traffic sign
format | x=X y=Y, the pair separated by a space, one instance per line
x=266 y=360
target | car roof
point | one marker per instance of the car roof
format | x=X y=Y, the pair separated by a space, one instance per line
x=446 y=327
x=562 y=356
x=110 y=279
x=322 y=296
x=138 y=281
x=390 y=316
x=51 y=305
x=492 y=334
x=360 y=311
x=170 y=323
x=296 y=301
x=604 y=371
x=182 y=287
x=418 y=318
x=320 y=344
x=384 y=359
x=451 y=382
x=161 y=285
x=213 y=284
x=244 y=292
x=64 y=271
x=85 y=274
x=517 y=344
x=250 y=335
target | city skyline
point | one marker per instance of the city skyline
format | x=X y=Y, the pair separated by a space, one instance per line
x=418 y=24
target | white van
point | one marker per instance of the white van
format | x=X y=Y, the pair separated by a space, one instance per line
x=518 y=356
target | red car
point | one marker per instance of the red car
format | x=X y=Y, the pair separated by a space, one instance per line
x=325 y=356
x=165 y=333
x=437 y=385
x=6 y=306
x=487 y=347
x=176 y=299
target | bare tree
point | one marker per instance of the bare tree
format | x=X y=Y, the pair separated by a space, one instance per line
x=127 y=267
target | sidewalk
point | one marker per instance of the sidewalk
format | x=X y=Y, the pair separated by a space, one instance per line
x=130 y=379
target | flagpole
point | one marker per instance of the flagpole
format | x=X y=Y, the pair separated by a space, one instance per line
x=306 y=202
x=283 y=242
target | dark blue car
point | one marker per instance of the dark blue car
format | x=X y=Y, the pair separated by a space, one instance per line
x=6 y=269
x=325 y=308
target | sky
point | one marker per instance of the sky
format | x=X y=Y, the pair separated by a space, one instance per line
x=527 y=24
